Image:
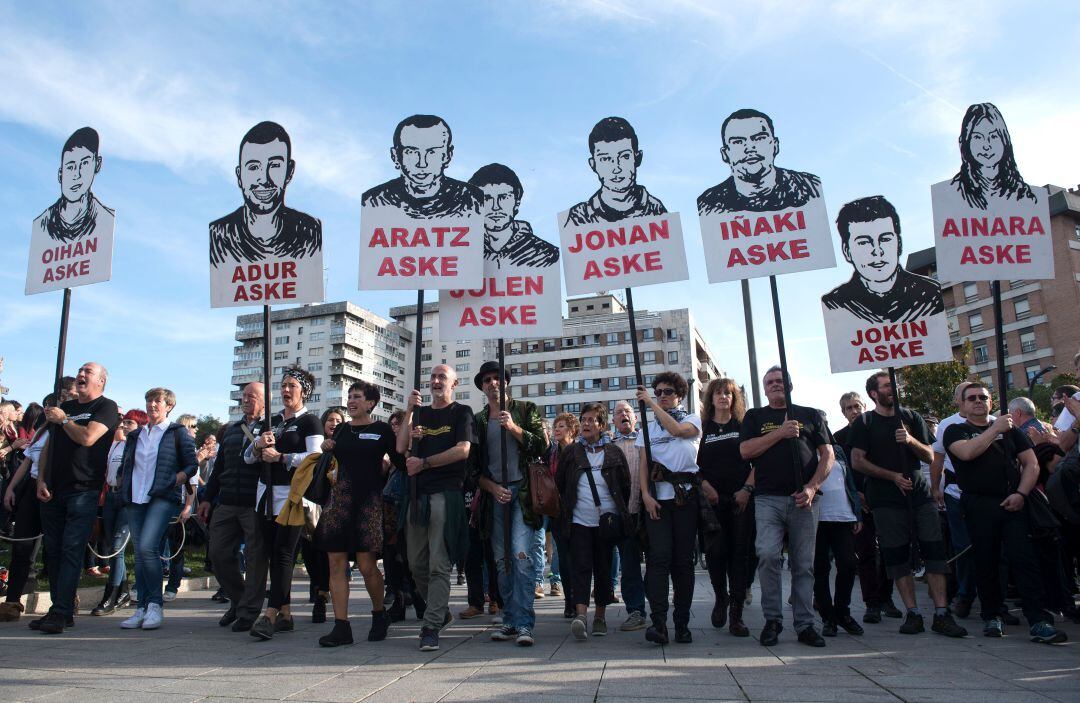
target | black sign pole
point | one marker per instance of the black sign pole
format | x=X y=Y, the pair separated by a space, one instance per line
x=751 y=347
x=506 y=508
x=413 y=507
x=784 y=375
x=641 y=382
x=61 y=347
x=266 y=367
x=999 y=338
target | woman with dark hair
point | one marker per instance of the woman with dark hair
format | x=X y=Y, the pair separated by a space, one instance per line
x=315 y=559
x=352 y=519
x=988 y=167
x=672 y=521
x=729 y=551
x=565 y=430
x=593 y=480
x=294 y=434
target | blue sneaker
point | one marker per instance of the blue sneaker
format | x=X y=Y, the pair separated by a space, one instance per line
x=1045 y=633
x=993 y=628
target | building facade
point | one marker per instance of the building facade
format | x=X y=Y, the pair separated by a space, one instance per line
x=1041 y=319
x=339 y=343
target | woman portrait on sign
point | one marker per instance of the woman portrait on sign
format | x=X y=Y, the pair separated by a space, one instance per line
x=988 y=168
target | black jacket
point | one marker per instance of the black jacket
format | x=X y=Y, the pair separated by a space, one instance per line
x=573 y=462
x=232 y=482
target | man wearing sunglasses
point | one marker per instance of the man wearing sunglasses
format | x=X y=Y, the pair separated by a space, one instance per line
x=997 y=470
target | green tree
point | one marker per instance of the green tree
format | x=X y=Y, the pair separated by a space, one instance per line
x=928 y=388
x=205 y=426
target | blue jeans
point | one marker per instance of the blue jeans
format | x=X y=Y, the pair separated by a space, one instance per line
x=776 y=515
x=958 y=535
x=517 y=581
x=114 y=535
x=538 y=555
x=148 y=522
x=66 y=523
x=633 y=585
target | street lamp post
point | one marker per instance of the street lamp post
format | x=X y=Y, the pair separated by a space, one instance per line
x=1036 y=377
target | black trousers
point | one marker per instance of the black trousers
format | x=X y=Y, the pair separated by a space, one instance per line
x=566 y=566
x=835 y=539
x=23 y=566
x=730 y=553
x=877 y=588
x=276 y=559
x=318 y=567
x=592 y=566
x=671 y=556
x=993 y=529
x=480 y=554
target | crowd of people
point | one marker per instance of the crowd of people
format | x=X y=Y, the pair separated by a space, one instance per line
x=891 y=499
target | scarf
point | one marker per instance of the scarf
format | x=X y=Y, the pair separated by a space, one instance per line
x=593 y=447
x=618 y=436
x=301 y=378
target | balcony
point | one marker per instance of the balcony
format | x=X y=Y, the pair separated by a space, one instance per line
x=249 y=331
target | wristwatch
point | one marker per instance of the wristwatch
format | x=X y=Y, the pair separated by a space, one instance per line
x=68 y=419
x=748 y=488
x=1075 y=429
x=426 y=465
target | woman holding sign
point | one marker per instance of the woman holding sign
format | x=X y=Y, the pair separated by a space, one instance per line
x=673 y=511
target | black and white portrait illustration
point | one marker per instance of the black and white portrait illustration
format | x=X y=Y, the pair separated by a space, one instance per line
x=884 y=315
x=423 y=148
x=614 y=156
x=880 y=290
x=264 y=226
x=756 y=184
x=265 y=252
x=508 y=241
x=988 y=166
x=71 y=242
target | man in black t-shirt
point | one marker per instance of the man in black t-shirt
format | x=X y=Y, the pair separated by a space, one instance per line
x=791 y=454
x=887 y=449
x=436 y=531
x=997 y=471
x=73 y=470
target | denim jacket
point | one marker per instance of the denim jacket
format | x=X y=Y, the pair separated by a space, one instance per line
x=168 y=464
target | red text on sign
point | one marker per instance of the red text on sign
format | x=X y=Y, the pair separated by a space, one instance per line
x=490 y=315
x=622 y=265
x=433 y=266
x=997 y=254
x=619 y=237
x=763 y=224
x=757 y=254
x=992 y=227
x=419 y=237
x=499 y=288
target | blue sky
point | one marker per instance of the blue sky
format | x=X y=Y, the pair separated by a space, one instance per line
x=868 y=95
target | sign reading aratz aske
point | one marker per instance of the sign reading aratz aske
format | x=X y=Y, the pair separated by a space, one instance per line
x=989 y=224
x=622 y=236
x=884 y=315
x=265 y=253
x=71 y=243
x=763 y=220
x=521 y=293
x=423 y=229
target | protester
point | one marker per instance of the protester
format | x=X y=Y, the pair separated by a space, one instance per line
x=673 y=512
x=436 y=527
x=293 y=434
x=400 y=589
x=839 y=520
x=229 y=510
x=175 y=542
x=564 y=431
x=594 y=483
x=69 y=486
x=791 y=455
x=724 y=473
x=317 y=561
x=351 y=524
x=624 y=436
x=997 y=471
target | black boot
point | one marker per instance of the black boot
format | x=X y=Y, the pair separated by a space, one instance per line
x=657 y=632
x=107 y=606
x=318 y=610
x=736 y=626
x=380 y=623
x=396 y=611
x=341 y=634
x=123 y=596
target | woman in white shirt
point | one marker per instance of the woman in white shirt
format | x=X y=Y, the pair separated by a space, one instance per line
x=839 y=520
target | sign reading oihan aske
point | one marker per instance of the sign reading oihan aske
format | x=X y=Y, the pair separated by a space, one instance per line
x=763 y=220
x=884 y=315
x=423 y=229
x=521 y=294
x=71 y=243
x=264 y=252
x=989 y=224
x=622 y=236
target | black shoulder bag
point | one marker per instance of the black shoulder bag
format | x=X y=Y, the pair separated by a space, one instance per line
x=1042 y=523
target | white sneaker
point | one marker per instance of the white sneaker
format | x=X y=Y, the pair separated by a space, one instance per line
x=168 y=596
x=153 y=618
x=135 y=621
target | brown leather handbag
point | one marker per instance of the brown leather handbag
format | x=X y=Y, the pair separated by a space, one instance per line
x=542 y=491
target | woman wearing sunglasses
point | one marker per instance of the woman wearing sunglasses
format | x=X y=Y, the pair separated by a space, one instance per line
x=672 y=509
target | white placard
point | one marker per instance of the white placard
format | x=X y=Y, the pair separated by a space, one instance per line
x=71 y=243
x=514 y=302
x=856 y=344
x=267 y=281
x=398 y=252
x=636 y=251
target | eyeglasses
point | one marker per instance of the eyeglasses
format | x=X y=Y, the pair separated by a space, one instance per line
x=590 y=420
x=661 y=392
x=973 y=398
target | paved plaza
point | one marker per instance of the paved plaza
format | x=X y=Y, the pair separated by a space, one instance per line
x=192 y=659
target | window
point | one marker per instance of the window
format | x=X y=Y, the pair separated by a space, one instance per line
x=591 y=362
x=299 y=345
x=1022 y=307
x=315 y=366
x=551 y=389
x=532 y=390
x=591 y=384
x=612 y=360
x=573 y=308
x=572 y=408
x=318 y=382
x=281 y=340
x=673 y=357
x=568 y=342
x=647 y=381
x=613 y=383
x=462 y=353
x=571 y=386
x=982 y=354
x=590 y=307
x=281 y=325
x=425 y=344
x=461 y=368
x=425 y=371
x=281 y=355
x=648 y=357
x=515 y=370
x=648 y=334
x=315 y=397
x=317 y=322
x=315 y=351
x=628 y=359
x=549 y=367
x=571 y=364
x=1031 y=371
x=612 y=337
x=463 y=395
x=975 y=321
x=549 y=411
x=316 y=336
x=1077 y=231
x=971 y=292
x=425 y=357
x=1027 y=342
x=673 y=335
x=532 y=367
x=631 y=381
x=300 y=329
x=532 y=347
x=515 y=348
x=549 y=345
x=1008 y=379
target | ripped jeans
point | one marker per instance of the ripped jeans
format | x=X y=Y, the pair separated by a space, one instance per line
x=517 y=584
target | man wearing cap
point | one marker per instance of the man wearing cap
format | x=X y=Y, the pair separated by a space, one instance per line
x=508 y=483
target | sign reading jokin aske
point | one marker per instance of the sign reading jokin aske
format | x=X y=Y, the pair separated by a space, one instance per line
x=621 y=236
x=71 y=243
x=988 y=223
x=763 y=220
x=521 y=293
x=884 y=315
x=265 y=253
x=423 y=229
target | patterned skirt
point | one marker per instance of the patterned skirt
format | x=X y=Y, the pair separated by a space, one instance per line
x=350 y=522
